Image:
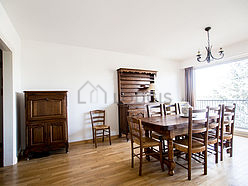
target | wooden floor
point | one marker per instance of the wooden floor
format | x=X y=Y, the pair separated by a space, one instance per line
x=110 y=165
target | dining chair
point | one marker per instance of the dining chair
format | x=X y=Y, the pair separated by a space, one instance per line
x=227 y=129
x=138 y=113
x=213 y=131
x=170 y=109
x=154 y=110
x=191 y=146
x=98 y=126
x=142 y=143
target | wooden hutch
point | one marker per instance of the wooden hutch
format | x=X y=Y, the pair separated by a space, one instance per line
x=134 y=93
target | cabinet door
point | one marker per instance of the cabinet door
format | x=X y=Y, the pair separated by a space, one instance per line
x=40 y=107
x=123 y=124
x=57 y=132
x=36 y=135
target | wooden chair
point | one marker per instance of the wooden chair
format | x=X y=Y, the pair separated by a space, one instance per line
x=170 y=109
x=213 y=131
x=227 y=129
x=138 y=113
x=191 y=146
x=142 y=142
x=154 y=110
x=98 y=125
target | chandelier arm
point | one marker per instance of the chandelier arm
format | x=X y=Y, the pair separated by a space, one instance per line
x=198 y=59
x=217 y=58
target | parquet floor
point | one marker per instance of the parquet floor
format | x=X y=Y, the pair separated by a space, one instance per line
x=110 y=165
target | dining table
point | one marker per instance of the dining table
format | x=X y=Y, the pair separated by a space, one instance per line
x=169 y=126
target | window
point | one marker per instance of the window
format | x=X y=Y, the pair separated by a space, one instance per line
x=224 y=84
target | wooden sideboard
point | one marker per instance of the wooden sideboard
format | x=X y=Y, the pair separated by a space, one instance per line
x=133 y=93
x=46 y=121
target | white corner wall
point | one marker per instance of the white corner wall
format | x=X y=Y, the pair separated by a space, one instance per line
x=10 y=43
x=48 y=66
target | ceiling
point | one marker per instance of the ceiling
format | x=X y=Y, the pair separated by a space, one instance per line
x=169 y=29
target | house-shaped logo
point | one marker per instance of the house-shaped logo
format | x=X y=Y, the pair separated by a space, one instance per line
x=89 y=93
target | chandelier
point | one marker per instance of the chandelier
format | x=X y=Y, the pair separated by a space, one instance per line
x=209 y=56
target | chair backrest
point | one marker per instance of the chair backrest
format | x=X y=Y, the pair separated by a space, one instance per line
x=215 y=117
x=136 y=113
x=198 y=124
x=228 y=118
x=97 y=117
x=154 y=110
x=170 y=109
x=135 y=130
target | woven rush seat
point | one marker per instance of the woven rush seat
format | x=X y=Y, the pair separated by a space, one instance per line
x=101 y=127
x=147 y=142
x=182 y=144
x=200 y=137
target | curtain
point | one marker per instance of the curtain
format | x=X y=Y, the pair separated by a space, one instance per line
x=190 y=86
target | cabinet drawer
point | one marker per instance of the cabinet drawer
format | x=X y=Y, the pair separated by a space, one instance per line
x=40 y=107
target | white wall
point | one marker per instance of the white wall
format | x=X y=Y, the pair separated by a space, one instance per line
x=10 y=43
x=48 y=66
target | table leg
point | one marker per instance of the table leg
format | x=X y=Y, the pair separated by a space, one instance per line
x=171 y=164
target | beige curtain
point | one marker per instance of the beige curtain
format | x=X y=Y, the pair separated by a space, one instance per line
x=190 y=86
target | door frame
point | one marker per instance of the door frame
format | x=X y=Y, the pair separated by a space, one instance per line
x=1 y=106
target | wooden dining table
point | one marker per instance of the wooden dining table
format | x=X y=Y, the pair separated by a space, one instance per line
x=169 y=126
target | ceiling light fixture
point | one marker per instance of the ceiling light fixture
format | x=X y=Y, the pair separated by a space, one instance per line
x=210 y=56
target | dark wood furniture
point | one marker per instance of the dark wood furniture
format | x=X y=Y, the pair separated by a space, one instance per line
x=169 y=126
x=191 y=146
x=136 y=113
x=133 y=93
x=170 y=109
x=142 y=142
x=227 y=129
x=98 y=126
x=213 y=131
x=46 y=121
x=154 y=110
